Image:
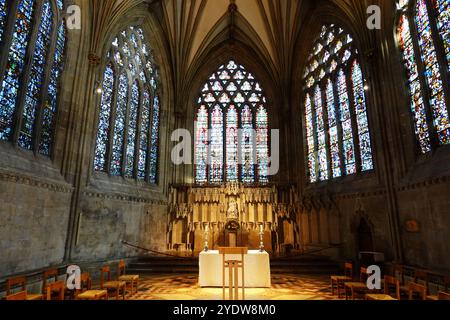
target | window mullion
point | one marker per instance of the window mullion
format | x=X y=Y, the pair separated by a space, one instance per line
x=25 y=76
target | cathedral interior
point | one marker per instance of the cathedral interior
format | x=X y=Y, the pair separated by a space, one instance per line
x=152 y=132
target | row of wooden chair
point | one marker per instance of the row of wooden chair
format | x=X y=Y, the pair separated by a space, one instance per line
x=53 y=289
x=358 y=289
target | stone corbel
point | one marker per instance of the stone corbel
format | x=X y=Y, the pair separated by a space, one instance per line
x=94 y=59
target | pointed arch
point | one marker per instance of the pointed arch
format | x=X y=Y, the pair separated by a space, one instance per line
x=337 y=125
x=127 y=142
x=232 y=109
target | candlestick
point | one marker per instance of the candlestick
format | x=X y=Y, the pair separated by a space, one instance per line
x=206 y=235
x=261 y=239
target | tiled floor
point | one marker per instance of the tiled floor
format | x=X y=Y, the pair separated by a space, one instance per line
x=185 y=287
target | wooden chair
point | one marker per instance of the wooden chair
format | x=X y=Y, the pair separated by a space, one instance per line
x=357 y=287
x=417 y=290
x=19 y=296
x=22 y=283
x=85 y=293
x=233 y=272
x=132 y=281
x=399 y=273
x=388 y=283
x=339 y=281
x=51 y=274
x=114 y=286
x=57 y=287
x=421 y=276
x=446 y=289
x=443 y=296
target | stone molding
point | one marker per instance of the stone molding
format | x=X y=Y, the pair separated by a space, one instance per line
x=34 y=182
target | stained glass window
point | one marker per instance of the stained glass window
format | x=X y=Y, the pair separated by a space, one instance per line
x=321 y=142
x=247 y=160
x=201 y=145
x=29 y=87
x=36 y=77
x=127 y=141
x=155 y=141
x=333 y=130
x=132 y=130
x=216 y=170
x=232 y=145
x=3 y=10
x=420 y=46
x=361 y=118
x=312 y=161
x=234 y=104
x=262 y=144
x=336 y=126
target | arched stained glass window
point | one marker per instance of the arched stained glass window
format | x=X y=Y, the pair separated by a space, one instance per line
x=127 y=140
x=232 y=109
x=423 y=36
x=29 y=87
x=336 y=123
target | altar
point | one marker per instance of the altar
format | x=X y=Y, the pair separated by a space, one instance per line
x=257 y=269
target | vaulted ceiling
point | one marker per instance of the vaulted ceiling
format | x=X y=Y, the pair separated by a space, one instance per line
x=192 y=30
x=193 y=25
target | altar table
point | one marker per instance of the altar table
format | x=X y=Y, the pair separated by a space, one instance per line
x=257 y=269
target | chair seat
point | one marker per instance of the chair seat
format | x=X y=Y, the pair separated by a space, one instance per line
x=129 y=278
x=35 y=297
x=114 y=284
x=383 y=297
x=92 y=295
x=404 y=288
x=356 y=285
x=340 y=278
x=434 y=298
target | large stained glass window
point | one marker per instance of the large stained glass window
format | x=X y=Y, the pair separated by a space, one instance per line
x=336 y=122
x=232 y=109
x=423 y=34
x=29 y=87
x=127 y=141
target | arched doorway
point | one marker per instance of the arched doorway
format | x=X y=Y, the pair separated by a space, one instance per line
x=364 y=237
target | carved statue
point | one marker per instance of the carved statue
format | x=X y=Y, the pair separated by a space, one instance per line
x=233 y=212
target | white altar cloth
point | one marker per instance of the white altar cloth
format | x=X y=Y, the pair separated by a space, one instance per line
x=257 y=269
